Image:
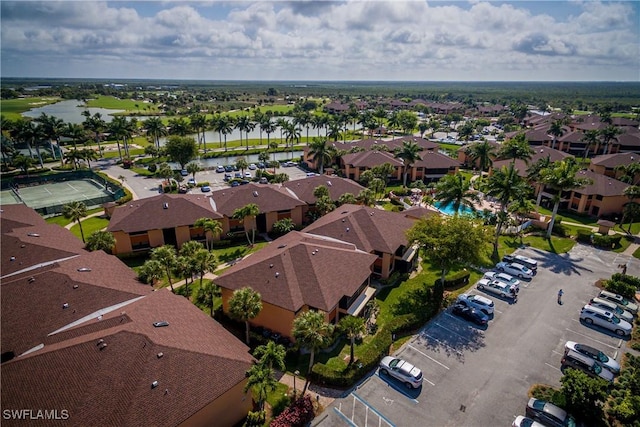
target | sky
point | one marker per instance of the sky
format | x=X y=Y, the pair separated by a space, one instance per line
x=413 y=40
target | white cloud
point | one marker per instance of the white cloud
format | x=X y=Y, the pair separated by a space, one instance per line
x=356 y=40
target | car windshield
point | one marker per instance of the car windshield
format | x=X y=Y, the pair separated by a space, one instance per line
x=597 y=368
x=603 y=357
x=614 y=319
x=394 y=363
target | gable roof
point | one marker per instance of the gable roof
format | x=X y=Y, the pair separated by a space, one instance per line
x=392 y=144
x=368 y=228
x=60 y=309
x=369 y=159
x=269 y=198
x=601 y=185
x=417 y=212
x=301 y=269
x=435 y=160
x=337 y=186
x=617 y=159
x=162 y=211
x=537 y=154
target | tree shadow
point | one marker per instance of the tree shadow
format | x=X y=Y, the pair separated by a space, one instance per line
x=231 y=256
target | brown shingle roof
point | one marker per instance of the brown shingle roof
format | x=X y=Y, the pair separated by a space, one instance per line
x=613 y=160
x=417 y=212
x=369 y=159
x=602 y=185
x=150 y=213
x=537 y=154
x=435 y=160
x=269 y=198
x=303 y=188
x=368 y=228
x=301 y=268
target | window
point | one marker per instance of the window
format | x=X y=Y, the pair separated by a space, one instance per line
x=598 y=197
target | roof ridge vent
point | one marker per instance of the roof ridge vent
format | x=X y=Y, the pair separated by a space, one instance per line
x=255 y=194
x=165 y=205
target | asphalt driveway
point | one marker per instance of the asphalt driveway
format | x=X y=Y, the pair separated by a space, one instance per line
x=476 y=377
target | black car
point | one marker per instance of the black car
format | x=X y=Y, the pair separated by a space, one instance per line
x=530 y=263
x=470 y=313
x=549 y=414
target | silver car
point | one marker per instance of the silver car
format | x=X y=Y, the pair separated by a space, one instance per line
x=495 y=287
x=478 y=302
x=586 y=350
x=609 y=306
x=515 y=269
x=605 y=319
x=401 y=370
x=503 y=277
x=621 y=301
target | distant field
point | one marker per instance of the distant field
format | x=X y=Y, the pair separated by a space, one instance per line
x=13 y=108
x=113 y=103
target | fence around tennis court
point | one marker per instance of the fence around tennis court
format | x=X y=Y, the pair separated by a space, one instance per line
x=116 y=192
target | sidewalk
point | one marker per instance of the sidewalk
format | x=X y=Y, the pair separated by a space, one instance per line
x=323 y=395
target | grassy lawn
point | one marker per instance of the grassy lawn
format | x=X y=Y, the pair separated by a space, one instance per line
x=13 y=108
x=571 y=216
x=89 y=226
x=635 y=228
x=636 y=253
x=62 y=221
x=114 y=103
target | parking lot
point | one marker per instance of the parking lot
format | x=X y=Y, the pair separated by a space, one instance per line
x=477 y=377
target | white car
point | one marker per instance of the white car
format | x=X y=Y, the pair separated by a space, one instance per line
x=402 y=371
x=609 y=306
x=253 y=166
x=515 y=269
x=495 y=287
x=478 y=302
x=605 y=319
x=606 y=361
x=522 y=421
x=503 y=277
x=620 y=301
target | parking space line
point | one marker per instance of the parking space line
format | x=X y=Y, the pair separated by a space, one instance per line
x=551 y=366
x=593 y=339
x=400 y=389
x=557 y=352
x=364 y=402
x=444 y=345
x=344 y=417
x=450 y=330
x=427 y=356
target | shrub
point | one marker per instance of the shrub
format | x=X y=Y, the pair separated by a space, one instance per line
x=584 y=236
x=255 y=419
x=630 y=280
x=607 y=242
x=455 y=279
x=559 y=230
x=281 y=404
x=621 y=288
x=297 y=415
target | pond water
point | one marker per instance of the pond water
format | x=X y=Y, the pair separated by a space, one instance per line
x=70 y=111
x=253 y=158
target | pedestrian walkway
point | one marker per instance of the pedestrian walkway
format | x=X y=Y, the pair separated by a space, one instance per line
x=323 y=395
x=72 y=223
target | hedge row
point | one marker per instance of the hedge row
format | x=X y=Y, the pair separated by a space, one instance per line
x=607 y=242
x=456 y=279
x=369 y=355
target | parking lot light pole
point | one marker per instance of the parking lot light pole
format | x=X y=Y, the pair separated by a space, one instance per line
x=295 y=374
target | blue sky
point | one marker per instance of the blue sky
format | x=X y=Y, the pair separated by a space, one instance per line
x=323 y=40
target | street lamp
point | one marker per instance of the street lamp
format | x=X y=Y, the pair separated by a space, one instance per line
x=295 y=375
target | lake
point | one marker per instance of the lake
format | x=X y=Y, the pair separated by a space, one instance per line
x=70 y=111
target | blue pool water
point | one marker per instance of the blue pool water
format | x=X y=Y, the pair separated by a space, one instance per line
x=448 y=209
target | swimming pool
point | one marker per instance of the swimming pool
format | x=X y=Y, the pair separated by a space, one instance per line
x=448 y=209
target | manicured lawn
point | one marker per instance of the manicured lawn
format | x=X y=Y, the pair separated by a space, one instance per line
x=62 y=221
x=13 y=108
x=572 y=217
x=635 y=228
x=114 y=103
x=89 y=226
x=636 y=253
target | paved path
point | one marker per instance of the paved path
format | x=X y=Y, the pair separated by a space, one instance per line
x=323 y=395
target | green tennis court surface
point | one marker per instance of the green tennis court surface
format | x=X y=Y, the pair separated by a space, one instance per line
x=57 y=193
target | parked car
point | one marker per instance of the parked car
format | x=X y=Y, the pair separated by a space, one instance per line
x=402 y=371
x=253 y=166
x=503 y=277
x=235 y=183
x=192 y=182
x=237 y=175
x=220 y=169
x=470 y=313
x=479 y=302
x=205 y=189
x=227 y=177
x=548 y=414
x=228 y=168
x=591 y=367
x=522 y=421
x=521 y=259
x=515 y=269
x=612 y=307
x=606 y=361
x=605 y=319
x=262 y=165
x=184 y=172
x=621 y=301
x=263 y=180
x=495 y=287
x=247 y=175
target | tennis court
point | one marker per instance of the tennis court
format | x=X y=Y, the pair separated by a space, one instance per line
x=51 y=196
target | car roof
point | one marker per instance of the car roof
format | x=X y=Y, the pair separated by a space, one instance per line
x=598 y=310
x=581 y=357
x=611 y=294
x=604 y=302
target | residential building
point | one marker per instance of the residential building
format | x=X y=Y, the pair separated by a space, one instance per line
x=337 y=186
x=608 y=164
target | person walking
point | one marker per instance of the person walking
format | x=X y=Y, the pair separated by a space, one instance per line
x=560 y=293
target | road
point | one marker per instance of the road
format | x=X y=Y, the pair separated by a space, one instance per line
x=476 y=377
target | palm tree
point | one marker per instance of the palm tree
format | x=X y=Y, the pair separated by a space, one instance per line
x=271 y=354
x=352 y=327
x=631 y=209
x=248 y=211
x=321 y=152
x=516 y=148
x=533 y=174
x=291 y=133
x=483 y=153
x=505 y=184
x=409 y=153
x=207 y=294
x=313 y=333
x=366 y=197
x=96 y=125
x=269 y=127
x=155 y=129
x=52 y=127
x=590 y=138
x=23 y=162
x=242 y=124
x=225 y=126
x=166 y=256
x=394 y=122
x=193 y=168
x=101 y=240
x=557 y=131
x=118 y=130
x=245 y=304
x=455 y=190
x=185 y=268
x=629 y=173
x=211 y=227
x=199 y=124
x=303 y=119
x=609 y=134
x=150 y=272
x=204 y=261
x=76 y=133
x=179 y=126
x=261 y=381
x=75 y=211
x=561 y=177
x=189 y=248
